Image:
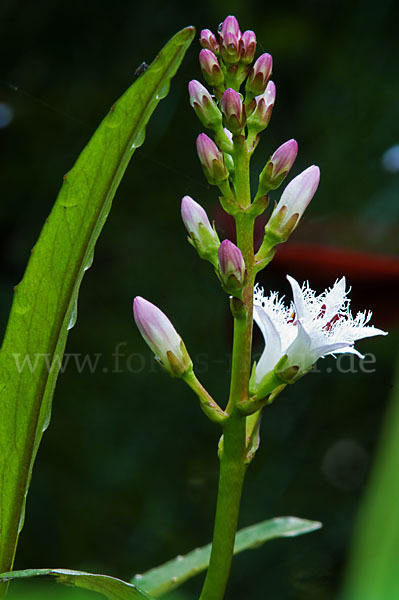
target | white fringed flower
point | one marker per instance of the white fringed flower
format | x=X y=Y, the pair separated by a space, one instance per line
x=312 y=327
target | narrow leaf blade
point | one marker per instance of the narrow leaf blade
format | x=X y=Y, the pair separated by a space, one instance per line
x=170 y=575
x=110 y=587
x=44 y=306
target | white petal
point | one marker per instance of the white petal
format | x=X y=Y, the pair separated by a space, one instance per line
x=334 y=300
x=300 y=351
x=335 y=348
x=298 y=297
x=349 y=350
x=272 y=352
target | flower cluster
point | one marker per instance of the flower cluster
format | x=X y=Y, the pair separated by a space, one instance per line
x=296 y=336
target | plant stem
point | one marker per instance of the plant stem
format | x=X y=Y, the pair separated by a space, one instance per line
x=234 y=449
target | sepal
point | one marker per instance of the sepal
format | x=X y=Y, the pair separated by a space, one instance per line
x=252 y=431
x=267 y=385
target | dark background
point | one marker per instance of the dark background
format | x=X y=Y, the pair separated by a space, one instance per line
x=126 y=475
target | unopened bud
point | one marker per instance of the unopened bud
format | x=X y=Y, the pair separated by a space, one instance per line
x=247 y=47
x=205 y=107
x=211 y=159
x=259 y=119
x=293 y=203
x=278 y=167
x=259 y=75
x=231 y=267
x=163 y=339
x=233 y=110
x=230 y=36
x=209 y=42
x=202 y=235
x=210 y=68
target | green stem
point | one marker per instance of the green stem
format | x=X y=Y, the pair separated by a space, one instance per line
x=207 y=403
x=233 y=456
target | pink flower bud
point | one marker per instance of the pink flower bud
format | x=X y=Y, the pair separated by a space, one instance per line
x=231 y=267
x=209 y=42
x=163 y=339
x=211 y=160
x=210 y=68
x=194 y=215
x=204 y=105
x=230 y=36
x=233 y=110
x=293 y=202
x=247 y=47
x=277 y=168
x=202 y=235
x=259 y=75
x=260 y=117
x=283 y=158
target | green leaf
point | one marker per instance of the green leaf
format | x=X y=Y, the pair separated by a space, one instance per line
x=44 y=305
x=110 y=587
x=167 y=577
x=373 y=572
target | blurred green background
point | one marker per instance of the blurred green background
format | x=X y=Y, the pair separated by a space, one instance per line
x=126 y=475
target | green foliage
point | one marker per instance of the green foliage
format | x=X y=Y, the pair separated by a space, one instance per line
x=373 y=567
x=169 y=576
x=44 y=306
x=172 y=574
x=111 y=588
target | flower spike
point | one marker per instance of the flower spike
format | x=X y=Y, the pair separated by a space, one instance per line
x=163 y=339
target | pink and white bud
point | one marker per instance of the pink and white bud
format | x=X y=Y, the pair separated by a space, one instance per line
x=260 y=117
x=231 y=267
x=160 y=335
x=211 y=160
x=259 y=75
x=230 y=36
x=204 y=105
x=210 y=68
x=278 y=167
x=293 y=203
x=233 y=110
x=247 y=47
x=209 y=42
x=202 y=235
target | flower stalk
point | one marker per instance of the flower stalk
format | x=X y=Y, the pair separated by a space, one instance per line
x=295 y=336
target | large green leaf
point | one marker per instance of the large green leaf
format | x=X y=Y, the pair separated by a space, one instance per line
x=110 y=587
x=167 y=577
x=44 y=305
x=373 y=572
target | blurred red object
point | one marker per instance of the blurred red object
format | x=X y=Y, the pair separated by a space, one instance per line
x=373 y=277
